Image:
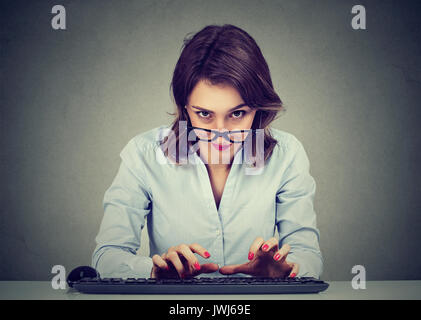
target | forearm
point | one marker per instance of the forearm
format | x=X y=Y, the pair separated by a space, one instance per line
x=310 y=262
x=119 y=262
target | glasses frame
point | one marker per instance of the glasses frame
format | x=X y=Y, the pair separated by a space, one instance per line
x=220 y=134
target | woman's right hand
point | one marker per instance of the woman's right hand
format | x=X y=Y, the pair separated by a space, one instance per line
x=180 y=262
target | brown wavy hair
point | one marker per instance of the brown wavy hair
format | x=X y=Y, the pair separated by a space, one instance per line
x=225 y=55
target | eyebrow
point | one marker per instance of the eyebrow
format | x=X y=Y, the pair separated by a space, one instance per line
x=210 y=111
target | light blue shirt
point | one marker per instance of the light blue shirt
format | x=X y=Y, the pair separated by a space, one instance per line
x=179 y=206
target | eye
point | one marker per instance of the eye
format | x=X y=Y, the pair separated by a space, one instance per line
x=243 y=112
x=238 y=114
x=204 y=117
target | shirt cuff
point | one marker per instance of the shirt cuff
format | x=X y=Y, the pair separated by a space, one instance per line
x=114 y=262
x=140 y=266
x=309 y=263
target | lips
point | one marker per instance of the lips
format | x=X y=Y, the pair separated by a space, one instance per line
x=221 y=147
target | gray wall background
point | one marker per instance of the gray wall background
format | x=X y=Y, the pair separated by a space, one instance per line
x=70 y=100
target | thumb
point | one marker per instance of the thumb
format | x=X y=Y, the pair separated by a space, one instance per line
x=209 y=268
x=235 y=268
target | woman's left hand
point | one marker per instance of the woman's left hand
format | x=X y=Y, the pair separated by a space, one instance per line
x=266 y=260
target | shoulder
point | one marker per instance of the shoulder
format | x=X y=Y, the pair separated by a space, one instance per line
x=143 y=142
x=286 y=140
x=149 y=139
x=290 y=149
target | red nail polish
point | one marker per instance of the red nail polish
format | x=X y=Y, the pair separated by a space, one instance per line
x=251 y=255
x=207 y=254
x=292 y=275
x=197 y=266
x=277 y=256
x=265 y=247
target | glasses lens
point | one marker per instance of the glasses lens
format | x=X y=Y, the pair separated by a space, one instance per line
x=203 y=134
x=238 y=136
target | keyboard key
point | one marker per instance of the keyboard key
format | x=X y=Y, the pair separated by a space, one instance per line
x=222 y=285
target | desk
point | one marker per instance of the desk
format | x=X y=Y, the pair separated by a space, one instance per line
x=338 y=290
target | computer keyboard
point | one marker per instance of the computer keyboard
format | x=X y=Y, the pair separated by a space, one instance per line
x=198 y=285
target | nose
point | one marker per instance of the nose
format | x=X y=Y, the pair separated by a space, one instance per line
x=221 y=139
x=221 y=127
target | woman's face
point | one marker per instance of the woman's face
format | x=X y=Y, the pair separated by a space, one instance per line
x=213 y=107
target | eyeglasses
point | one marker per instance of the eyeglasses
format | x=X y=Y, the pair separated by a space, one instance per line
x=236 y=136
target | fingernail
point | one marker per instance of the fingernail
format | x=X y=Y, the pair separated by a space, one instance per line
x=207 y=254
x=265 y=247
x=251 y=255
x=277 y=256
x=292 y=275
x=197 y=266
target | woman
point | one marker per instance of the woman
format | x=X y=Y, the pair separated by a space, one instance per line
x=235 y=196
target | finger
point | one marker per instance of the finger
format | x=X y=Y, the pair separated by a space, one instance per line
x=173 y=257
x=192 y=261
x=235 y=268
x=269 y=244
x=209 y=268
x=159 y=262
x=255 y=247
x=295 y=269
x=282 y=253
x=197 y=248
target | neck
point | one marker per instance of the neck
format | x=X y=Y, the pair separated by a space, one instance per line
x=219 y=168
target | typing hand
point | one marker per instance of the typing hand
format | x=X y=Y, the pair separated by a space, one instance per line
x=180 y=262
x=266 y=260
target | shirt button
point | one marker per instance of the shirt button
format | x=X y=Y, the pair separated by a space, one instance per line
x=218 y=232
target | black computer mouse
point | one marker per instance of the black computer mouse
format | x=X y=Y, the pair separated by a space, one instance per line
x=81 y=272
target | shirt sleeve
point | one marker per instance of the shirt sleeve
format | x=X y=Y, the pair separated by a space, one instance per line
x=295 y=215
x=126 y=203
